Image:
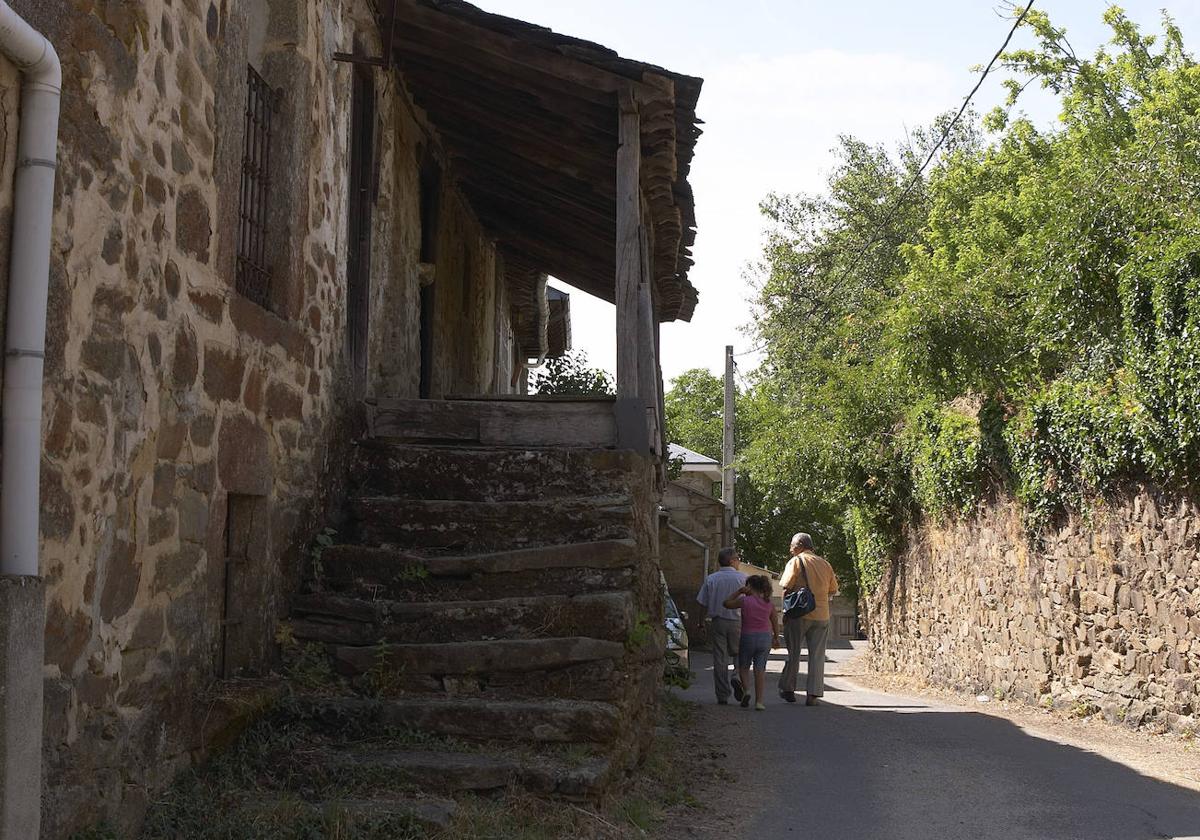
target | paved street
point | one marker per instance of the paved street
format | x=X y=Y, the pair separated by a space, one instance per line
x=867 y=765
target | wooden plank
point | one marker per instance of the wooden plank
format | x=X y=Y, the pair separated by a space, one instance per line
x=595 y=428
x=549 y=61
x=532 y=398
x=423 y=419
x=630 y=409
x=499 y=422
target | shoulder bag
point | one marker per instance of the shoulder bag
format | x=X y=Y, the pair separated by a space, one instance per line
x=800 y=602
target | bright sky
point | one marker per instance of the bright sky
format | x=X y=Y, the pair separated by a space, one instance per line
x=783 y=78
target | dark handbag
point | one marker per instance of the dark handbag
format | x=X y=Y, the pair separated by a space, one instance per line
x=801 y=602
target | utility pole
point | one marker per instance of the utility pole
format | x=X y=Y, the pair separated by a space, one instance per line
x=727 y=474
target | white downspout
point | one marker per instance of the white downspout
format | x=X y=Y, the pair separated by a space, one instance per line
x=695 y=541
x=28 y=282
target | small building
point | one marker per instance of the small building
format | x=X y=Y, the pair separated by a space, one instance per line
x=693 y=531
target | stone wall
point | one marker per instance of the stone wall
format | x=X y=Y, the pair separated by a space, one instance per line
x=185 y=425
x=1103 y=615
x=703 y=517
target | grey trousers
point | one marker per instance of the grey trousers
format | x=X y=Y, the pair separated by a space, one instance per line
x=799 y=633
x=724 y=634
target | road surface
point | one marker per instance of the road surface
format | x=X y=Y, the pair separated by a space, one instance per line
x=867 y=765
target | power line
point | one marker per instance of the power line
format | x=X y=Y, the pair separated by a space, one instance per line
x=880 y=230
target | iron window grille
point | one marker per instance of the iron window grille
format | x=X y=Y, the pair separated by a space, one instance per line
x=253 y=275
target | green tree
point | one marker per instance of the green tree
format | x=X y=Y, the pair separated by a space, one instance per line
x=570 y=374
x=1025 y=313
x=694 y=406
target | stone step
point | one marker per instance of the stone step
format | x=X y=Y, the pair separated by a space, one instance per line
x=496 y=526
x=378 y=813
x=375 y=572
x=463 y=718
x=576 y=668
x=451 y=772
x=347 y=620
x=475 y=658
x=489 y=474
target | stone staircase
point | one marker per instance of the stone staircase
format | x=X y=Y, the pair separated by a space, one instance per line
x=490 y=616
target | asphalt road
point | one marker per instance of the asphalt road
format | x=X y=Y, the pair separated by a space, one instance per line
x=866 y=765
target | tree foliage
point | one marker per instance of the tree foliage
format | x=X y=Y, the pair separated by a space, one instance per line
x=570 y=374
x=1028 y=314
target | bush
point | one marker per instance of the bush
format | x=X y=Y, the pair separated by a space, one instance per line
x=946 y=457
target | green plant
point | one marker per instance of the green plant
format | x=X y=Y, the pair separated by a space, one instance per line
x=322 y=541
x=99 y=832
x=945 y=450
x=570 y=375
x=384 y=678
x=640 y=633
x=307 y=665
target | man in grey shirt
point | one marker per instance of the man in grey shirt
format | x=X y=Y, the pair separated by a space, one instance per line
x=726 y=627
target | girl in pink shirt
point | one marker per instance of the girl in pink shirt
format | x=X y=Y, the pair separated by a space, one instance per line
x=760 y=632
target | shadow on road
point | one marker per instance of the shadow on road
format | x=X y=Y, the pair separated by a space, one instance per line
x=899 y=771
x=865 y=765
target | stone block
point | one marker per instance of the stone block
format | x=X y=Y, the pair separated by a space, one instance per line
x=22 y=624
x=224 y=369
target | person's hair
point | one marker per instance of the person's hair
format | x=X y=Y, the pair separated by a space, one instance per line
x=725 y=556
x=760 y=584
x=804 y=541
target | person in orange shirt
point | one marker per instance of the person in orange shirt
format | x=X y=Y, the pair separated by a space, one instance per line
x=807 y=568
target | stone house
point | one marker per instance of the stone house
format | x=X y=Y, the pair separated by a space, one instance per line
x=280 y=227
x=694 y=514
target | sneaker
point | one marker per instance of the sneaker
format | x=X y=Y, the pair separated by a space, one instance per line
x=759 y=707
x=738 y=691
x=745 y=701
x=789 y=696
x=810 y=701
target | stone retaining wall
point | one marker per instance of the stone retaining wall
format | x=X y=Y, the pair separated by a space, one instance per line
x=1103 y=615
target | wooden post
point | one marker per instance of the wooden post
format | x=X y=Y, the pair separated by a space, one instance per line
x=727 y=473
x=630 y=406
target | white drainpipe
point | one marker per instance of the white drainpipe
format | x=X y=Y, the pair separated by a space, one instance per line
x=28 y=281
x=694 y=541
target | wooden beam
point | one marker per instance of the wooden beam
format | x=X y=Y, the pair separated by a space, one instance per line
x=630 y=407
x=415 y=39
x=552 y=61
x=505 y=95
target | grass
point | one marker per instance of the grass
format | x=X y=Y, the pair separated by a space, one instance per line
x=264 y=787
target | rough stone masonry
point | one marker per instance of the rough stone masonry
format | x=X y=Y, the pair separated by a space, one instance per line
x=171 y=400
x=1103 y=614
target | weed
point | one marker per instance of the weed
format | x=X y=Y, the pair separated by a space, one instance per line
x=384 y=679
x=308 y=666
x=1085 y=708
x=640 y=633
x=321 y=542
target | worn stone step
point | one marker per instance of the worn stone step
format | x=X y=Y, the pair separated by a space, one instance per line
x=347 y=620
x=482 y=526
x=478 y=657
x=385 y=572
x=489 y=474
x=377 y=812
x=448 y=772
x=465 y=718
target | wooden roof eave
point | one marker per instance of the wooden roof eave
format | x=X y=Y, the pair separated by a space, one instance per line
x=528 y=119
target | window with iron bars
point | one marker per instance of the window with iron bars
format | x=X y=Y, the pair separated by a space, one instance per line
x=253 y=274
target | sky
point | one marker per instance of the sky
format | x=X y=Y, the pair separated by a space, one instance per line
x=782 y=80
